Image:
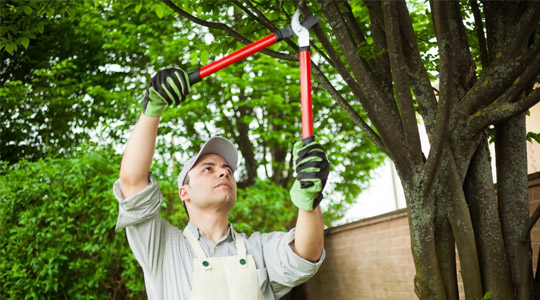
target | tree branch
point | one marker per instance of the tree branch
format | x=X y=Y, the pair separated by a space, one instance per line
x=506 y=106
x=526 y=234
x=245 y=145
x=497 y=80
x=355 y=31
x=517 y=39
x=333 y=58
x=382 y=62
x=380 y=106
x=502 y=111
x=225 y=29
x=505 y=68
x=447 y=95
x=416 y=70
x=401 y=82
x=479 y=28
x=259 y=17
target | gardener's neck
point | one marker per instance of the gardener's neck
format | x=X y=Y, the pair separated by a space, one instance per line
x=212 y=226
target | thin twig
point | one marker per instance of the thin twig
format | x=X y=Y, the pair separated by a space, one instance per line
x=226 y=29
x=526 y=234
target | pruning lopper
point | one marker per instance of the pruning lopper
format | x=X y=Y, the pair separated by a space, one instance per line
x=300 y=29
x=305 y=77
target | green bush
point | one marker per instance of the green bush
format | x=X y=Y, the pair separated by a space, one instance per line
x=57 y=238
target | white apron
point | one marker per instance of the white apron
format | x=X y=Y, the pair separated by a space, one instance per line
x=223 y=278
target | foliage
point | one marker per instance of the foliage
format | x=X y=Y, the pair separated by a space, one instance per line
x=533 y=136
x=24 y=20
x=73 y=95
x=57 y=238
x=74 y=78
x=263 y=207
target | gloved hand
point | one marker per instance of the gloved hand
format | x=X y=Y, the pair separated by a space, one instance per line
x=167 y=87
x=312 y=170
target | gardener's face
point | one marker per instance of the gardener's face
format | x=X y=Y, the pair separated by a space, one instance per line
x=211 y=184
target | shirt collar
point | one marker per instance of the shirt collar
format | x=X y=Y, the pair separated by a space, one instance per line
x=197 y=233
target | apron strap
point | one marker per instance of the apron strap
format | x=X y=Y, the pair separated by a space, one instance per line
x=194 y=243
x=240 y=247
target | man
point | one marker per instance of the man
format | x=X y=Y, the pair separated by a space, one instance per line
x=208 y=259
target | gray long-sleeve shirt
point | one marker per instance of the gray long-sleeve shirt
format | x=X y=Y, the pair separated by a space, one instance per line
x=167 y=258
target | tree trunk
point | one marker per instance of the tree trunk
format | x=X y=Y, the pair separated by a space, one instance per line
x=511 y=154
x=478 y=187
x=460 y=219
x=445 y=243
x=246 y=146
x=428 y=283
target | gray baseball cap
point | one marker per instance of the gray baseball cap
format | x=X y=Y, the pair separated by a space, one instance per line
x=216 y=145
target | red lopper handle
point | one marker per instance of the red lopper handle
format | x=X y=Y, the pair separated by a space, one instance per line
x=242 y=53
x=305 y=94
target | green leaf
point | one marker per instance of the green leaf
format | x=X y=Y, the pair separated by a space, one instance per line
x=25 y=42
x=193 y=57
x=159 y=11
x=71 y=12
x=533 y=136
x=27 y=9
x=138 y=7
x=204 y=57
x=50 y=13
x=3 y=30
x=11 y=47
x=40 y=27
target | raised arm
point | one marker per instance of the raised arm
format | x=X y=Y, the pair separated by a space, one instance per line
x=138 y=155
x=309 y=235
x=312 y=171
x=167 y=87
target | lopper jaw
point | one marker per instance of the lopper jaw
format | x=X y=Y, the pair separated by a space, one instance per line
x=300 y=31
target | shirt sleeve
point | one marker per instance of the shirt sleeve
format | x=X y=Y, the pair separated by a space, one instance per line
x=140 y=215
x=140 y=207
x=285 y=268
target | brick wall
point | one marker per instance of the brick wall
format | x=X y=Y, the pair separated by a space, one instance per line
x=534 y=201
x=371 y=258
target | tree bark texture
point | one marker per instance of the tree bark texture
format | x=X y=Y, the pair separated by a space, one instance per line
x=478 y=186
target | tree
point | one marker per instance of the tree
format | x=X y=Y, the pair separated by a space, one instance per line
x=380 y=54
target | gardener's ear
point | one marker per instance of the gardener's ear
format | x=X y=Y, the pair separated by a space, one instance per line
x=183 y=193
